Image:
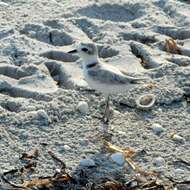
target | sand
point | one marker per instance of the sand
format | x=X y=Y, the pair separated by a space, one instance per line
x=41 y=85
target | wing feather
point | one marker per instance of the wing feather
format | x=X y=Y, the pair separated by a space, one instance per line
x=112 y=75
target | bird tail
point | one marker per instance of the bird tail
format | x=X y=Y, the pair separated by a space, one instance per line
x=145 y=81
x=140 y=80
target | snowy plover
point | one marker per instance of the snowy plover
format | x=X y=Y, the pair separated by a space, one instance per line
x=103 y=77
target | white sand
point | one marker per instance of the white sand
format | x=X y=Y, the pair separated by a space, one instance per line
x=41 y=85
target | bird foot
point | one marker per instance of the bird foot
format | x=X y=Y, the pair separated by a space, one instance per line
x=105 y=120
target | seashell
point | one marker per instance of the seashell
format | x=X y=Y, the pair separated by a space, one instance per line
x=146 y=102
x=157 y=128
x=178 y=138
x=66 y=147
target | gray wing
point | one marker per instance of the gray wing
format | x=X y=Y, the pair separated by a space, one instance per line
x=108 y=76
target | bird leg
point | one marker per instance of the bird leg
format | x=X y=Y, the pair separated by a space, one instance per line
x=106 y=116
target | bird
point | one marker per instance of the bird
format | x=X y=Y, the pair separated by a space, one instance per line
x=103 y=77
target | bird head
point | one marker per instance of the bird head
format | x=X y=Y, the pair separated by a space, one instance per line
x=87 y=51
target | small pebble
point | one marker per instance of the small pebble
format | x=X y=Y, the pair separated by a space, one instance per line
x=43 y=116
x=160 y=109
x=39 y=116
x=87 y=163
x=157 y=128
x=178 y=138
x=83 y=107
x=13 y=106
x=118 y=158
x=58 y=170
x=66 y=147
x=42 y=113
x=159 y=162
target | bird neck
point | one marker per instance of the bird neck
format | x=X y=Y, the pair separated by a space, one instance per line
x=91 y=65
x=90 y=60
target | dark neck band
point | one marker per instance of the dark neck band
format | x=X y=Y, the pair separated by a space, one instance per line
x=91 y=65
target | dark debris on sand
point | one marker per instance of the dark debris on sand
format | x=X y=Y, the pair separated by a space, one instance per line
x=80 y=179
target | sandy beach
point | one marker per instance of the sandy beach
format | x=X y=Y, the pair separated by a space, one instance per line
x=46 y=104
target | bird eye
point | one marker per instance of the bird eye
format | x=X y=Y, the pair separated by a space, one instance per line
x=84 y=49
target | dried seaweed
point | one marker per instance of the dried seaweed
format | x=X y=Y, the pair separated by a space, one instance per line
x=33 y=154
x=62 y=180
x=171 y=46
x=28 y=167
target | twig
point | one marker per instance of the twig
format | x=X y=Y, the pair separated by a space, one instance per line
x=63 y=165
x=14 y=185
x=128 y=153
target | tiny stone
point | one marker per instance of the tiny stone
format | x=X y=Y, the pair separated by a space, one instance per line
x=83 y=107
x=159 y=162
x=157 y=128
x=66 y=147
x=13 y=106
x=118 y=158
x=178 y=138
x=58 y=170
x=87 y=163
x=39 y=116
x=43 y=116
x=160 y=109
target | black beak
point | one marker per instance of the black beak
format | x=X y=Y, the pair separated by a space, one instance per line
x=72 y=51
